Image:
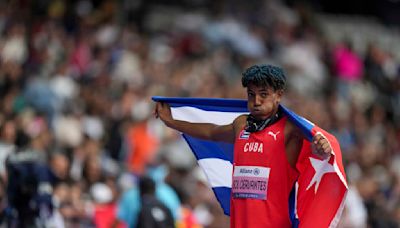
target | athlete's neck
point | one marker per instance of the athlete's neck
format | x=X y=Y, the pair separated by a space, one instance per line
x=253 y=124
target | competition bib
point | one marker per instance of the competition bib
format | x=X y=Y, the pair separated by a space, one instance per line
x=250 y=182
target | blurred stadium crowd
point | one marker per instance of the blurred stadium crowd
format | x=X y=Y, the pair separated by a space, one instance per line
x=76 y=80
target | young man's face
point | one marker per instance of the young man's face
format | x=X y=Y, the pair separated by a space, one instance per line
x=262 y=102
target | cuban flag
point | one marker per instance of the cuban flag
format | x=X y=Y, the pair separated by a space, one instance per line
x=317 y=199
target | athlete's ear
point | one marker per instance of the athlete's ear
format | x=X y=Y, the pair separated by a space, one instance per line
x=279 y=94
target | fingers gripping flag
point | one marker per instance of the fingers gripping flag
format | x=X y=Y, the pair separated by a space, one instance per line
x=319 y=194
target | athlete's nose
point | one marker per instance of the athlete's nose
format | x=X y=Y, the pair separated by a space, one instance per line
x=257 y=100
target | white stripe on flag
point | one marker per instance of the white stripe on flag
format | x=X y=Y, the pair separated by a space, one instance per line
x=218 y=171
x=196 y=115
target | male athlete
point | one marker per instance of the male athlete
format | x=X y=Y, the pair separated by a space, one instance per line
x=266 y=148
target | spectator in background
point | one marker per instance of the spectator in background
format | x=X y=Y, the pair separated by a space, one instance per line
x=348 y=67
x=3 y=203
x=8 y=133
x=129 y=204
x=29 y=189
x=59 y=165
x=15 y=47
x=153 y=213
x=142 y=147
x=105 y=207
x=92 y=172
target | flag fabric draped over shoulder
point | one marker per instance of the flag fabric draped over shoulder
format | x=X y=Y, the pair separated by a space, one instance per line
x=319 y=194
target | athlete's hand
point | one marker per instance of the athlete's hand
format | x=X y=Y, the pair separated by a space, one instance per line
x=163 y=111
x=320 y=146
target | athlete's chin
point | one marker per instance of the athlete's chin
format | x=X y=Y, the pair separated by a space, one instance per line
x=259 y=115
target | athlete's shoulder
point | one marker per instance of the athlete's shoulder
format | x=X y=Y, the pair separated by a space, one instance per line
x=239 y=123
x=292 y=130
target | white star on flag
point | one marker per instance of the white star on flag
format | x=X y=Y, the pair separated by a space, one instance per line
x=321 y=167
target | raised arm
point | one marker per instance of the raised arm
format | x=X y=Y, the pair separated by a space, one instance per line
x=207 y=131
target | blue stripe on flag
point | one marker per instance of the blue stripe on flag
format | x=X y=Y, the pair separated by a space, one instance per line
x=203 y=149
x=223 y=195
x=208 y=149
x=292 y=209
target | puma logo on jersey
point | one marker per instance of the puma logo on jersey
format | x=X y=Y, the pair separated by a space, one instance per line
x=253 y=147
x=273 y=134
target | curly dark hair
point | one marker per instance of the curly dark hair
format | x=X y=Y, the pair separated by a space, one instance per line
x=264 y=75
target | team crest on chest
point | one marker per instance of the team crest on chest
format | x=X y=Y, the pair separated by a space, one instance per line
x=244 y=135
